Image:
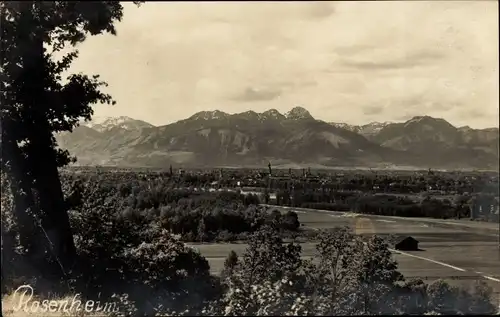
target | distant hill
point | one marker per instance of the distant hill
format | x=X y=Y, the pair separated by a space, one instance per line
x=211 y=138
x=437 y=142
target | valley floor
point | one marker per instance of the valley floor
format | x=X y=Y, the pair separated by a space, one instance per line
x=457 y=251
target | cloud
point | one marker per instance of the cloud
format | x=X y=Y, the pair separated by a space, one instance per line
x=406 y=61
x=472 y=113
x=423 y=104
x=404 y=117
x=441 y=106
x=290 y=84
x=321 y=10
x=346 y=62
x=420 y=105
x=253 y=94
x=353 y=49
x=371 y=110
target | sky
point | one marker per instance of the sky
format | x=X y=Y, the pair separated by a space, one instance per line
x=353 y=62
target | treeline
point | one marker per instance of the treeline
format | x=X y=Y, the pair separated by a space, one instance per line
x=389 y=205
x=225 y=216
x=387 y=183
x=194 y=216
x=380 y=182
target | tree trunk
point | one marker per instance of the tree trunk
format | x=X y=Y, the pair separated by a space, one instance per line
x=23 y=211
x=56 y=220
x=17 y=173
x=42 y=158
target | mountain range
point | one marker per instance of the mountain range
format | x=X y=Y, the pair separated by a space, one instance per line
x=216 y=138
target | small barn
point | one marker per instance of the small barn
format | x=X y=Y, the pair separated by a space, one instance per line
x=407 y=244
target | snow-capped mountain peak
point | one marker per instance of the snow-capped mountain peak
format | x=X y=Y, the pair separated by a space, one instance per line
x=342 y=125
x=379 y=124
x=376 y=126
x=102 y=123
x=365 y=129
x=270 y=114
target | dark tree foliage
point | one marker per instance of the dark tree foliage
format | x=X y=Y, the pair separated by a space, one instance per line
x=193 y=215
x=230 y=264
x=36 y=103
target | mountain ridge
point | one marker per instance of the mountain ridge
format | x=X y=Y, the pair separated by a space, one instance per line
x=275 y=112
x=296 y=137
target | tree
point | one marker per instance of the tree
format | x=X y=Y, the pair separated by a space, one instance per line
x=414 y=297
x=265 y=196
x=336 y=251
x=230 y=264
x=442 y=297
x=201 y=229
x=377 y=275
x=268 y=259
x=36 y=104
x=291 y=221
x=261 y=275
x=480 y=300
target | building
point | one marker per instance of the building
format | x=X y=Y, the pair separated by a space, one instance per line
x=407 y=244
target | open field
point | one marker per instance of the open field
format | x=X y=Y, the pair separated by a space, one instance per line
x=316 y=217
x=458 y=253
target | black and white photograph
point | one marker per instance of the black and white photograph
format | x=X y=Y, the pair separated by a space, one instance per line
x=249 y=158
